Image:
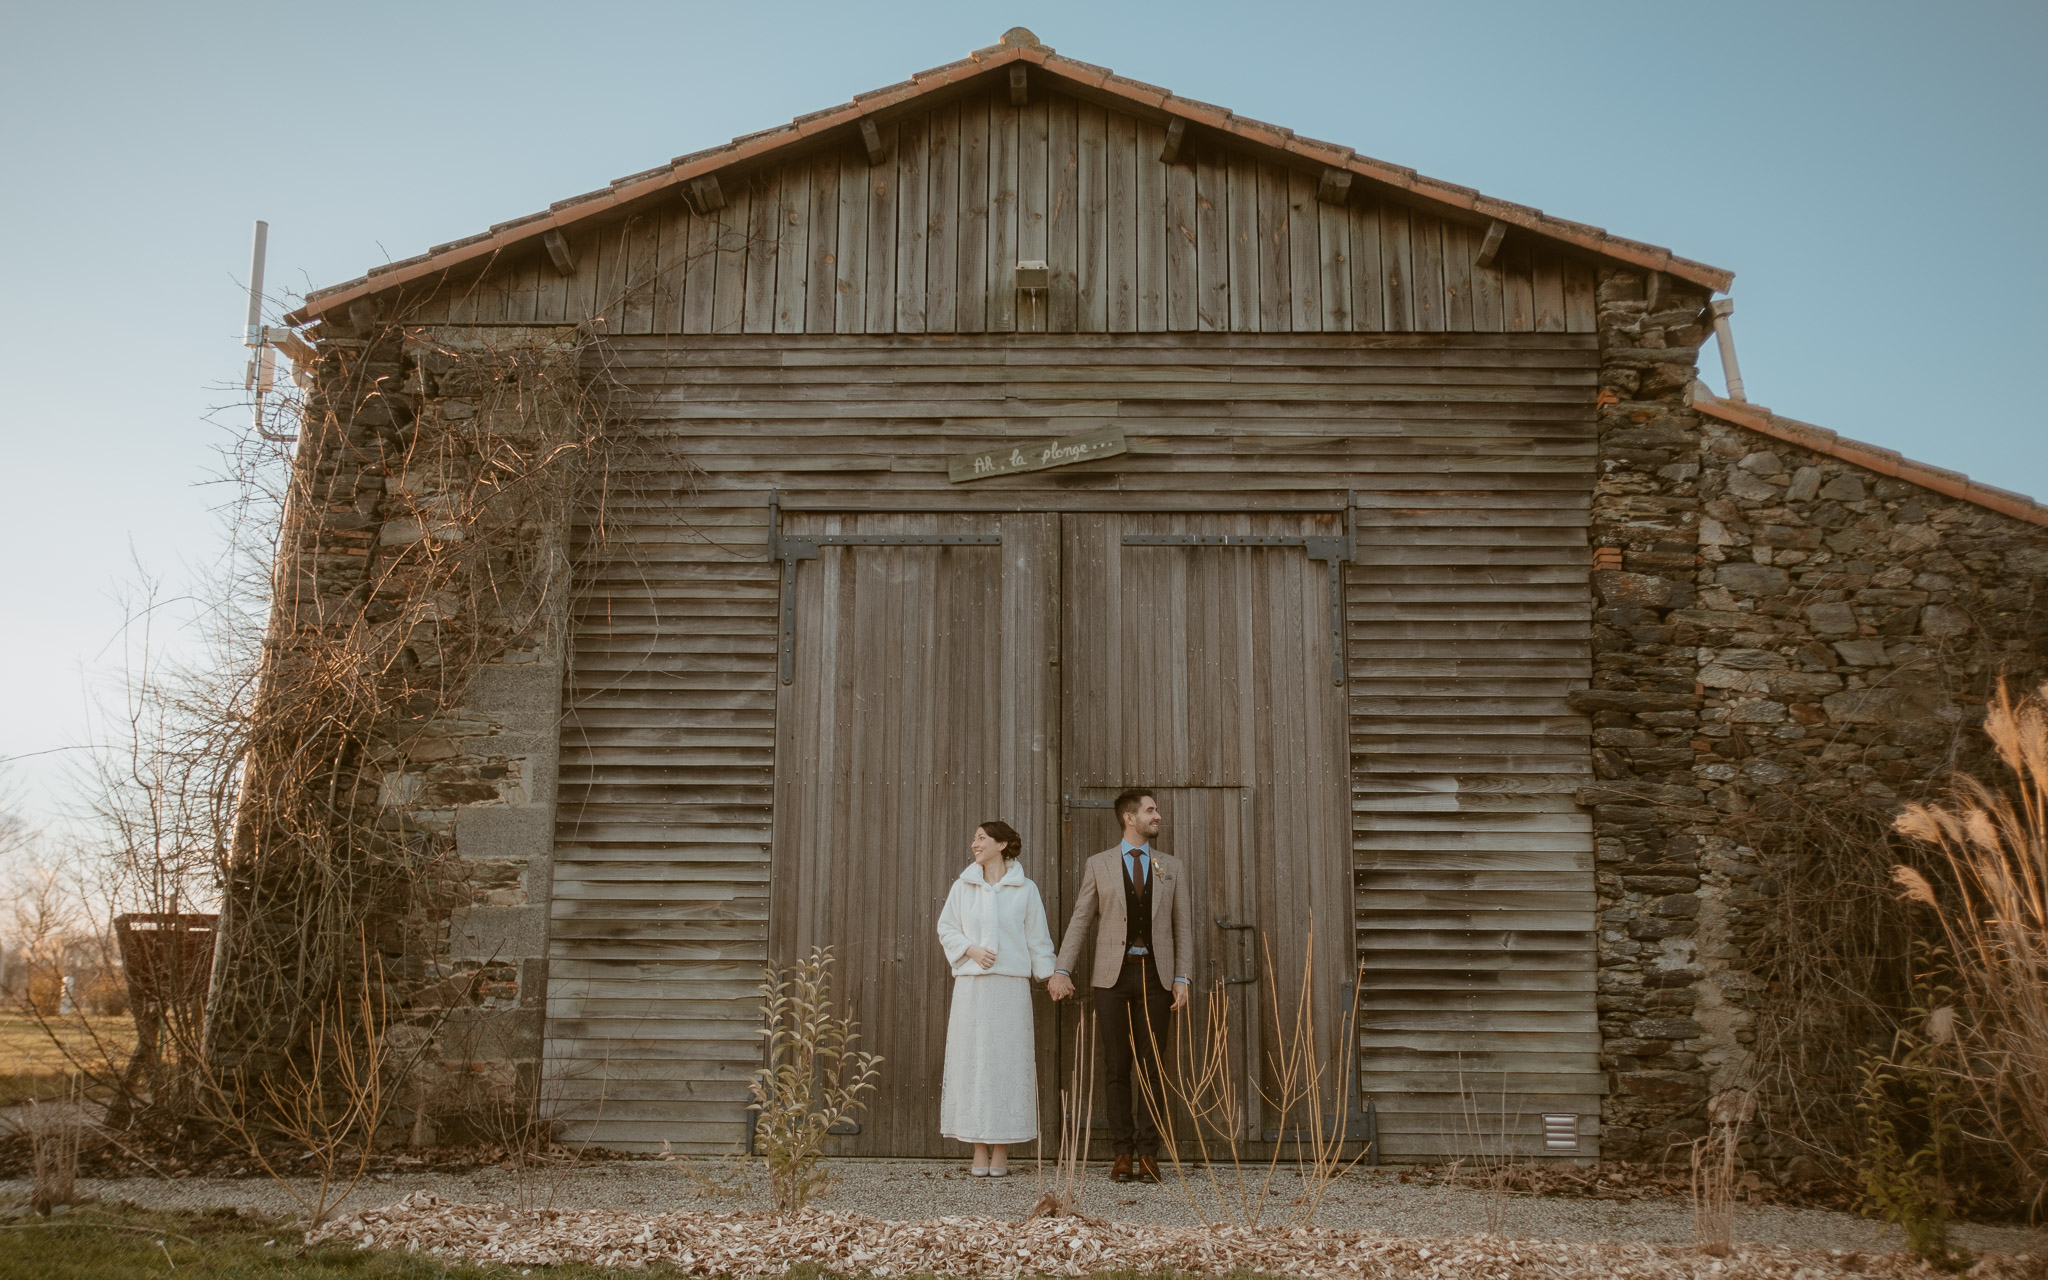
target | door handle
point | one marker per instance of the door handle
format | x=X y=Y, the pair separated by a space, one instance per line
x=1229 y=981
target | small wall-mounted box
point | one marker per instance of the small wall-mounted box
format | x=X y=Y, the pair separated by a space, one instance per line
x=1034 y=276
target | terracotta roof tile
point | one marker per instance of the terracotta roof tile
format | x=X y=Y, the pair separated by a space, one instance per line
x=750 y=146
x=1888 y=462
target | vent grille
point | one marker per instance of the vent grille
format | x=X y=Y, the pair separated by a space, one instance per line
x=1560 y=1133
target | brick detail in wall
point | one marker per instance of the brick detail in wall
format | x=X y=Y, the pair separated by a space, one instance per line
x=1644 y=705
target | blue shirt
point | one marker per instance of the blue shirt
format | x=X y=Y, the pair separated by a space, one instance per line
x=1144 y=852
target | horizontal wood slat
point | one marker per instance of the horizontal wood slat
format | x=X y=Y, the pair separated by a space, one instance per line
x=1465 y=612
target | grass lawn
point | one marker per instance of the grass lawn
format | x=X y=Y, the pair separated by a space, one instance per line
x=92 y=1243
x=32 y=1067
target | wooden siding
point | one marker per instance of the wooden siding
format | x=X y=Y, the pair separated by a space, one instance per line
x=929 y=241
x=1471 y=457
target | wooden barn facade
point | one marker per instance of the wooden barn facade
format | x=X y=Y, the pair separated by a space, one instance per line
x=1023 y=433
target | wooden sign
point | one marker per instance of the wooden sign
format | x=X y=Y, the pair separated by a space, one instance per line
x=1037 y=455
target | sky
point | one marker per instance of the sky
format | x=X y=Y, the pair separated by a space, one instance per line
x=1872 y=172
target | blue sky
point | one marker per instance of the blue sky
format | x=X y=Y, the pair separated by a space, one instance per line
x=1873 y=173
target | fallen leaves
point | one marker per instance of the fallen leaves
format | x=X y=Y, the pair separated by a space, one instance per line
x=760 y=1244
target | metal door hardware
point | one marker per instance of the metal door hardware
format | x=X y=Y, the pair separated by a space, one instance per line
x=1251 y=979
x=790 y=548
x=1335 y=550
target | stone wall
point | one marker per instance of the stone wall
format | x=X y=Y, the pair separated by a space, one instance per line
x=1644 y=705
x=463 y=784
x=1774 y=625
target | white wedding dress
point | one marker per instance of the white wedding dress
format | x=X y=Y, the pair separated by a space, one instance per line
x=990 y=1092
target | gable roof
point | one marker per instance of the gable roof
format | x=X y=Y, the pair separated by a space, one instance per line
x=1017 y=46
x=1885 y=462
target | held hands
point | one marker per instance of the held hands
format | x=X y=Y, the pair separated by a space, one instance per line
x=1059 y=986
x=982 y=956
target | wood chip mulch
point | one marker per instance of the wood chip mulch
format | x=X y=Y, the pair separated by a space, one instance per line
x=759 y=1244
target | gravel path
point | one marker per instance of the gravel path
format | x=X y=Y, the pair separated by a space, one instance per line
x=914 y=1190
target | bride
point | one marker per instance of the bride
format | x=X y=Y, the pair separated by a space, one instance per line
x=994 y=934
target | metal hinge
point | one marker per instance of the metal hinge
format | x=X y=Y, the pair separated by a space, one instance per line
x=789 y=548
x=1335 y=550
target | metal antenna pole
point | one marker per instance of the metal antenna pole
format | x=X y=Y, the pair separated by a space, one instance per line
x=252 y=336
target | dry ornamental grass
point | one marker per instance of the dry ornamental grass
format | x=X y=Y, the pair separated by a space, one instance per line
x=758 y=1244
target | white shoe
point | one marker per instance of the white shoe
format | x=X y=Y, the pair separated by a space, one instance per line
x=977 y=1172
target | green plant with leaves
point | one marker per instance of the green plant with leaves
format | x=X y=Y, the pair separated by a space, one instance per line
x=814 y=1079
x=1908 y=1103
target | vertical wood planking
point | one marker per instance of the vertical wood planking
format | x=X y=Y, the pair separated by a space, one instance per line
x=1245 y=244
x=1333 y=235
x=1459 y=250
x=821 y=276
x=1519 y=291
x=880 y=290
x=1547 y=279
x=764 y=250
x=1123 y=259
x=522 y=286
x=1580 y=306
x=1304 y=253
x=1182 y=283
x=1489 y=291
x=729 y=303
x=1034 y=205
x=1062 y=213
x=700 y=274
x=551 y=292
x=1275 y=311
x=942 y=226
x=1397 y=268
x=929 y=241
x=1005 y=249
x=671 y=256
x=793 y=253
x=1368 y=281
x=643 y=238
x=1091 y=189
x=976 y=262
x=912 y=230
x=1427 y=287
x=614 y=245
x=851 y=305
x=1212 y=238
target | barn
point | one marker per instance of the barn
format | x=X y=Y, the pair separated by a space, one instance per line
x=1022 y=432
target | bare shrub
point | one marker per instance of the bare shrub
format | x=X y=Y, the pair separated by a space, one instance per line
x=1491 y=1162
x=320 y=1115
x=814 y=1078
x=1994 y=845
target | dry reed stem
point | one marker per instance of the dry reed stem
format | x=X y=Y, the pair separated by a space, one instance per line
x=1713 y=1190
x=1202 y=1084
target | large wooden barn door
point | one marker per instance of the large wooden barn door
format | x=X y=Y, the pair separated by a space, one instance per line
x=917 y=672
x=1200 y=660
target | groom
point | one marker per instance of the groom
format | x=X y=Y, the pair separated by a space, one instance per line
x=1142 y=951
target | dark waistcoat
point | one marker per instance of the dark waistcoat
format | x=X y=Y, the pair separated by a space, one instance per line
x=1138 y=907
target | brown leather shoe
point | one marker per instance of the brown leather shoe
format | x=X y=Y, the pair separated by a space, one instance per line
x=1121 y=1170
x=1148 y=1169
